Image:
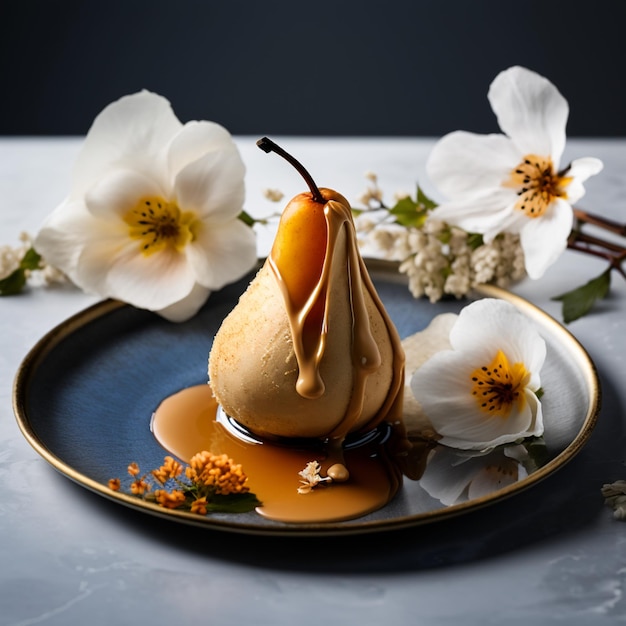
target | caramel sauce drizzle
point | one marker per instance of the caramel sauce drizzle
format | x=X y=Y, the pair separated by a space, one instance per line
x=310 y=335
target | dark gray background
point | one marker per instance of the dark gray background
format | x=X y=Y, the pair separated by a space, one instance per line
x=319 y=67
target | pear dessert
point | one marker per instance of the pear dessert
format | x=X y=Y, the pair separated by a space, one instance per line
x=309 y=351
x=306 y=377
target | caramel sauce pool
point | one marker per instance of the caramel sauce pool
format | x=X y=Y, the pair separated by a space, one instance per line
x=187 y=423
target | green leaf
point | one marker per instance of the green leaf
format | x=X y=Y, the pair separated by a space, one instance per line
x=537 y=451
x=13 y=283
x=474 y=240
x=408 y=213
x=578 y=302
x=246 y=218
x=445 y=236
x=233 y=503
x=424 y=200
x=30 y=260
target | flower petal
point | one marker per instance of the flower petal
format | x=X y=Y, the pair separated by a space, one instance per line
x=196 y=139
x=531 y=111
x=118 y=191
x=544 y=239
x=420 y=346
x=447 y=476
x=489 y=213
x=213 y=186
x=187 y=307
x=580 y=170
x=444 y=378
x=222 y=253
x=64 y=234
x=488 y=325
x=534 y=404
x=496 y=474
x=453 y=477
x=117 y=269
x=463 y=427
x=131 y=131
x=466 y=163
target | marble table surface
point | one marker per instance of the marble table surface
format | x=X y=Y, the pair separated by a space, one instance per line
x=550 y=555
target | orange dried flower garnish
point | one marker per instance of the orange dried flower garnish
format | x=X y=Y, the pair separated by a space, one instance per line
x=133 y=469
x=210 y=483
x=169 y=500
x=217 y=471
x=170 y=469
x=199 y=506
x=139 y=487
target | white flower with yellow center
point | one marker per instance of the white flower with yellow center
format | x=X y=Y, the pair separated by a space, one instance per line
x=511 y=182
x=482 y=392
x=152 y=215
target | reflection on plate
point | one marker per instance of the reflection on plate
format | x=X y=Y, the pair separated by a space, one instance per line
x=85 y=394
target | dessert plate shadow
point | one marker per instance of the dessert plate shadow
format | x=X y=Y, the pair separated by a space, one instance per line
x=85 y=394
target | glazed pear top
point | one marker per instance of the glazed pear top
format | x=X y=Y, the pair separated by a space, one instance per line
x=302 y=258
x=309 y=350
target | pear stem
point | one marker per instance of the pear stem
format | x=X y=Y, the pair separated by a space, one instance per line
x=267 y=145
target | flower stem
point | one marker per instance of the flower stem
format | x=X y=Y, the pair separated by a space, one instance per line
x=601 y=222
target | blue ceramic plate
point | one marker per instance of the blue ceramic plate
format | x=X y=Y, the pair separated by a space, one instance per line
x=85 y=394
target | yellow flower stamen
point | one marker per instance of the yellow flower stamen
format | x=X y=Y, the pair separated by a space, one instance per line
x=159 y=224
x=499 y=385
x=537 y=185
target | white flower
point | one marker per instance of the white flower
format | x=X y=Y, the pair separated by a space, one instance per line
x=512 y=182
x=482 y=392
x=151 y=217
x=9 y=260
x=310 y=476
x=615 y=497
x=453 y=478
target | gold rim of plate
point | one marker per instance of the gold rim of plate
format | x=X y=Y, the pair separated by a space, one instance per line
x=376 y=266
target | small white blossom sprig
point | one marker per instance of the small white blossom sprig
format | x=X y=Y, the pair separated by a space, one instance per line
x=311 y=477
x=21 y=264
x=505 y=193
x=615 y=497
x=437 y=258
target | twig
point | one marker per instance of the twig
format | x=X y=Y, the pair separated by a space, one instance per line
x=601 y=222
x=614 y=253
